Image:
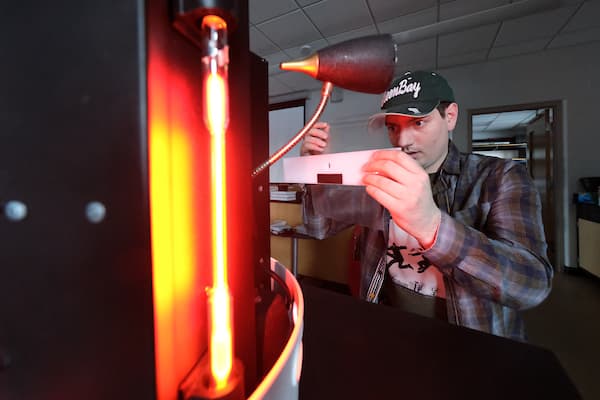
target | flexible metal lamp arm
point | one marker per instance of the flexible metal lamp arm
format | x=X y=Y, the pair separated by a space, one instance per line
x=325 y=95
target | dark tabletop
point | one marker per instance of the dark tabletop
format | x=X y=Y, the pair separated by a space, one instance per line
x=357 y=350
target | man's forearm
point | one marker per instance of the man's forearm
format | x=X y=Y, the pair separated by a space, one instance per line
x=506 y=262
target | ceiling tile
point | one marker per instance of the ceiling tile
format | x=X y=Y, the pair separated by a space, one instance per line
x=511 y=120
x=499 y=127
x=261 y=10
x=483 y=119
x=574 y=2
x=290 y=30
x=299 y=81
x=588 y=16
x=408 y=22
x=366 y=31
x=276 y=58
x=467 y=41
x=307 y=2
x=260 y=44
x=414 y=66
x=276 y=87
x=336 y=16
x=460 y=8
x=534 y=26
x=274 y=69
x=280 y=28
x=461 y=59
x=574 y=38
x=519 y=48
x=417 y=55
x=516 y=117
x=384 y=10
x=306 y=49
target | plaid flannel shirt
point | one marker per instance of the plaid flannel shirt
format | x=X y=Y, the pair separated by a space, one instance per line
x=490 y=246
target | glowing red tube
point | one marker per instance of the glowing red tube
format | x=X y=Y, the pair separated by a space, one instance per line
x=216 y=119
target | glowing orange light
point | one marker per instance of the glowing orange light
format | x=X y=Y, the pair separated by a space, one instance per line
x=215 y=104
x=172 y=175
x=221 y=336
x=214 y=22
x=216 y=119
x=221 y=339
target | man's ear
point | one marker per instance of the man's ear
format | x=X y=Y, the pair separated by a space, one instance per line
x=451 y=115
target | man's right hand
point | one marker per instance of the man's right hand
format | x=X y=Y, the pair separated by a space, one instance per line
x=315 y=141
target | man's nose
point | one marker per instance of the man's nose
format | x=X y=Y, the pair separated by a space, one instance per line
x=403 y=137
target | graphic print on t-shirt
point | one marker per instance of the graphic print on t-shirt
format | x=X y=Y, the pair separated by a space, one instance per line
x=408 y=267
x=396 y=256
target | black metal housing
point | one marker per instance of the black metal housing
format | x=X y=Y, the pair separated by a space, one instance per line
x=76 y=316
x=76 y=305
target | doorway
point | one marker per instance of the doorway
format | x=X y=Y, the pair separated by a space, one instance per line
x=528 y=134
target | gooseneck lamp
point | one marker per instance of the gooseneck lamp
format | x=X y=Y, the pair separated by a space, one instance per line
x=363 y=65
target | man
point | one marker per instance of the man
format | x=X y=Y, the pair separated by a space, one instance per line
x=445 y=234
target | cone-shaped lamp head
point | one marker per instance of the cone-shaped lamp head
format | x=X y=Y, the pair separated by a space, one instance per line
x=364 y=65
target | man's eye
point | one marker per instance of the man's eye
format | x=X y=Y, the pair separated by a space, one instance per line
x=419 y=122
x=391 y=128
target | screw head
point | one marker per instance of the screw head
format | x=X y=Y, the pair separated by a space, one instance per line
x=95 y=212
x=15 y=210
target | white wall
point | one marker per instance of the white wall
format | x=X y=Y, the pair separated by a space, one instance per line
x=569 y=75
x=284 y=124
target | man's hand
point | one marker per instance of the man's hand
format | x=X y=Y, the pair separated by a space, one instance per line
x=315 y=141
x=401 y=185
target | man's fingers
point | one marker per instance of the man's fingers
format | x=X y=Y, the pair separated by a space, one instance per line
x=398 y=157
x=316 y=139
x=319 y=130
x=396 y=173
x=322 y=125
x=315 y=142
x=384 y=198
x=389 y=168
x=317 y=133
x=313 y=146
x=378 y=182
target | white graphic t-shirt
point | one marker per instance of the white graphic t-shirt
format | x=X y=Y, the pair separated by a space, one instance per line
x=407 y=266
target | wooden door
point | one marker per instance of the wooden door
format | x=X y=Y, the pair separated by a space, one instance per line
x=540 y=162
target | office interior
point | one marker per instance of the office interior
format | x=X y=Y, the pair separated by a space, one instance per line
x=107 y=289
x=519 y=69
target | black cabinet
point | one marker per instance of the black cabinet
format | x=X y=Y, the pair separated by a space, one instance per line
x=588 y=237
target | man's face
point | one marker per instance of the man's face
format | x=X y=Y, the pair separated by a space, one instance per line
x=424 y=138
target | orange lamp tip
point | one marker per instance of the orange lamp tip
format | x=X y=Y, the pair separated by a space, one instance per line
x=214 y=22
x=308 y=65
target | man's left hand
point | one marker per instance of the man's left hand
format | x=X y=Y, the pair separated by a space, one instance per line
x=401 y=185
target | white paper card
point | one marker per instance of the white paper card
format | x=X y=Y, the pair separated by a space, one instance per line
x=341 y=168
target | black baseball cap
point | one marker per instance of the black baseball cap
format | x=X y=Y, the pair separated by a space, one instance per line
x=413 y=94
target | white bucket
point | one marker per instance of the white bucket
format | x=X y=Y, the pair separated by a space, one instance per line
x=283 y=379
